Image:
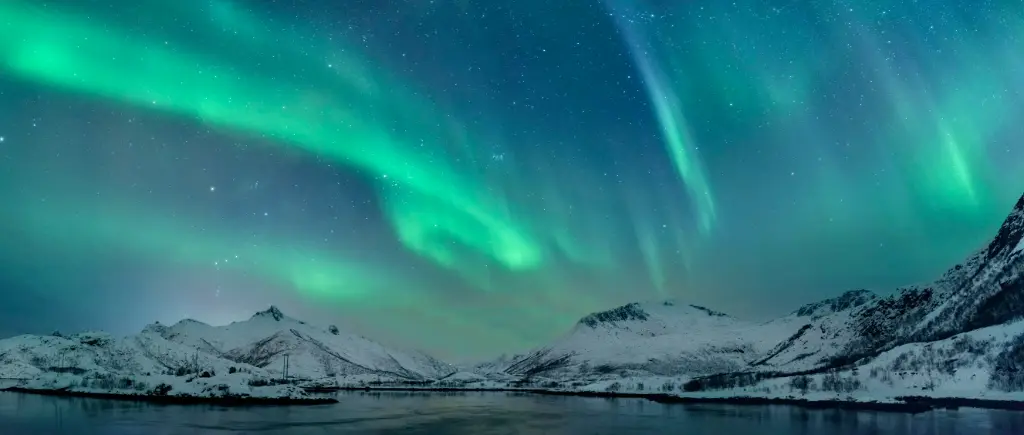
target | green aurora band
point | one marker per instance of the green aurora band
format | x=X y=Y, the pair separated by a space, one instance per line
x=442 y=204
x=428 y=201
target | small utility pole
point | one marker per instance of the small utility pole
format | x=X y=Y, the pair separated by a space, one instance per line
x=286 y=368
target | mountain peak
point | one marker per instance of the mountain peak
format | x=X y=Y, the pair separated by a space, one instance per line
x=626 y=312
x=1011 y=234
x=155 y=328
x=272 y=312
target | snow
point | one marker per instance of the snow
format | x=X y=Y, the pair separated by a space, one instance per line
x=940 y=369
x=192 y=359
x=221 y=386
x=312 y=351
x=464 y=377
x=670 y=338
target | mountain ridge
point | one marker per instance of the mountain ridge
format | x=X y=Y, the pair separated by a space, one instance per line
x=984 y=290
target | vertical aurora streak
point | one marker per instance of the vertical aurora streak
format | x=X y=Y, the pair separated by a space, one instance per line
x=668 y=108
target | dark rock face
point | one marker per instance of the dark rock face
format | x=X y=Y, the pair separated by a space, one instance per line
x=1005 y=304
x=850 y=299
x=986 y=289
x=272 y=312
x=709 y=312
x=537 y=362
x=620 y=314
x=1010 y=233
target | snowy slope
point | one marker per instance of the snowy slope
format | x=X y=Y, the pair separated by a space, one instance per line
x=658 y=338
x=243 y=360
x=27 y=356
x=652 y=340
x=313 y=352
x=826 y=329
x=987 y=289
x=142 y=365
x=986 y=363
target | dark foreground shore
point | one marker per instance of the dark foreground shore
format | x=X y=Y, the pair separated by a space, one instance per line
x=903 y=404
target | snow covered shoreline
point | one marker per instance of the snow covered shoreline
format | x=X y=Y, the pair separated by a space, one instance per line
x=180 y=399
x=229 y=389
x=899 y=404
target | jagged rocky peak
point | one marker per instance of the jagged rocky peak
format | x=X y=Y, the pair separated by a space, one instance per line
x=845 y=301
x=705 y=310
x=635 y=312
x=272 y=312
x=624 y=313
x=709 y=311
x=93 y=338
x=1011 y=233
x=155 y=328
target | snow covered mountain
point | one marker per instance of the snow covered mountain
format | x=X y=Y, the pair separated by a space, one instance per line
x=984 y=293
x=145 y=354
x=658 y=338
x=193 y=360
x=313 y=352
x=826 y=329
x=987 y=289
x=142 y=365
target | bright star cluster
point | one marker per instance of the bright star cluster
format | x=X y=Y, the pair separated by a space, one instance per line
x=472 y=177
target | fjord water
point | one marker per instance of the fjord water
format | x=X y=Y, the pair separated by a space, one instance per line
x=479 y=414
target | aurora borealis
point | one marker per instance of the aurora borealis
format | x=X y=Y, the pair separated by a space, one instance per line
x=472 y=177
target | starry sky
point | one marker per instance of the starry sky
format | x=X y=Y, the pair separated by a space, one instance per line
x=470 y=178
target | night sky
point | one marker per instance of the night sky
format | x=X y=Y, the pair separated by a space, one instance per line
x=471 y=177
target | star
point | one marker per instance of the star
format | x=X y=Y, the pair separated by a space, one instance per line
x=213 y=188
x=1 y=139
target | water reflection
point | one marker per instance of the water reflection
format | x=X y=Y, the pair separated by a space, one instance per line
x=477 y=413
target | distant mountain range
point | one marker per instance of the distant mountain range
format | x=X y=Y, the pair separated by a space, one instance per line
x=259 y=344
x=260 y=359
x=972 y=313
x=959 y=336
x=314 y=352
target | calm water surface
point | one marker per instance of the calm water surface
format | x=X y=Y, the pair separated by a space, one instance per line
x=478 y=414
